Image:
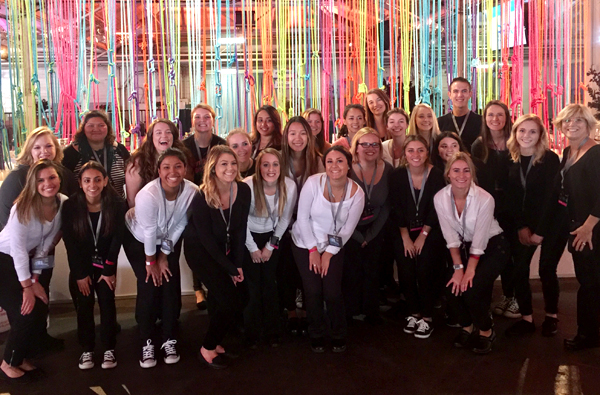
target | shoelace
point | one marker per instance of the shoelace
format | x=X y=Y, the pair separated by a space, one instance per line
x=169 y=347
x=412 y=321
x=86 y=357
x=109 y=355
x=423 y=325
x=148 y=350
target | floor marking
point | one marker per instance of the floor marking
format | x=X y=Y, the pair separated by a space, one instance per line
x=126 y=389
x=98 y=390
x=522 y=375
x=567 y=381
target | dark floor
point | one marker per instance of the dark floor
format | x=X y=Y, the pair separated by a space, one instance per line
x=379 y=360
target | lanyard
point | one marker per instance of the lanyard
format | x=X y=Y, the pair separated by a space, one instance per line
x=43 y=237
x=293 y=174
x=570 y=162
x=96 y=234
x=104 y=164
x=228 y=221
x=273 y=214
x=369 y=188
x=200 y=157
x=335 y=213
x=349 y=140
x=166 y=228
x=463 y=216
x=524 y=175
x=460 y=130
x=412 y=188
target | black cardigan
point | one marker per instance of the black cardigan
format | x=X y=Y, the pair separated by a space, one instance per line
x=190 y=144
x=80 y=251
x=582 y=183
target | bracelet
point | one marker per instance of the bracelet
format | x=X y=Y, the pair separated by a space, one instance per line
x=29 y=286
x=425 y=232
x=476 y=257
x=314 y=249
x=274 y=246
x=150 y=263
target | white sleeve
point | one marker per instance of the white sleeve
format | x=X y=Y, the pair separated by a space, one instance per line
x=18 y=244
x=445 y=218
x=307 y=196
x=485 y=217
x=288 y=210
x=356 y=209
x=146 y=215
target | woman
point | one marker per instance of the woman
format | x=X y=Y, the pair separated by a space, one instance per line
x=33 y=227
x=363 y=250
x=491 y=148
x=354 y=120
x=154 y=241
x=329 y=209
x=266 y=130
x=271 y=209
x=95 y=140
x=479 y=251
x=214 y=246
x=579 y=183
x=424 y=123
x=315 y=120
x=377 y=105
x=393 y=149
x=418 y=255
x=534 y=168
x=93 y=223
x=239 y=141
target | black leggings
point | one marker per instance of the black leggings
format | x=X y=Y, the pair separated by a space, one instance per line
x=587 y=271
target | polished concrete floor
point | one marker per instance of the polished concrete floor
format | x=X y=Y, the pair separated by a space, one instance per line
x=379 y=360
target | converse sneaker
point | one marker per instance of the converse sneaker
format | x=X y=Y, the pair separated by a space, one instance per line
x=512 y=310
x=500 y=308
x=411 y=325
x=171 y=355
x=424 y=329
x=148 y=360
x=86 y=361
x=110 y=361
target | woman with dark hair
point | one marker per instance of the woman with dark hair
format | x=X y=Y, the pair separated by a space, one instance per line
x=215 y=243
x=354 y=120
x=315 y=120
x=329 y=208
x=95 y=140
x=377 y=105
x=393 y=148
x=239 y=141
x=93 y=223
x=33 y=226
x=154 y=241
x=266 y=131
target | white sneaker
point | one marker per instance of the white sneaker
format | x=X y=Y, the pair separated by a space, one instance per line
x=411 y=325
x=424 y=329
x=110 y=361
x=512 y=311
x=171 y=355
x=501 y=307
x=148 y=360
x=86 y=361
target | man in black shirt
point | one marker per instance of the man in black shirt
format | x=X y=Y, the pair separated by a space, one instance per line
x=461 y=120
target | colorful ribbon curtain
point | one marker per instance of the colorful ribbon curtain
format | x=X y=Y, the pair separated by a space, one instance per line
x=146 y=59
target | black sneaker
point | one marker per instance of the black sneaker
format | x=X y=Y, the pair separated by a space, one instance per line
x=483 y=345
x=520 y=328
x=464 y=339
x=171 y=355
x=109 y=360
x=549 y=326
x=317 y=345
x=148 y=360
x=424 y=329
x=411 y=325
x=338 y=345
x=86 y=361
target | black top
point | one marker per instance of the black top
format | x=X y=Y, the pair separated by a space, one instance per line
x=256 y=150
x=200 y=160
x=403 y=204
x=470 y=132
x=532 y=207
x=80 y=251
x=206 y=232
x=495 y=179
x=582 y=184
x=249 y=172
x=15 y=182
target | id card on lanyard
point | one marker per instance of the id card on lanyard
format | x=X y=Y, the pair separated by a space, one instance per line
x=228 y=220
x=333 y=239
x=43 y=260
x=463 y=217
x=96 y=258
x=417 y=223
x=368 y=211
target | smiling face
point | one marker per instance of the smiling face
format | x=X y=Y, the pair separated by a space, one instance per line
x=171 y=172
x=416 y=154
x=354 y=120
x=162 y=137
x=240 y=144
x=376 y=104
x=226 y=168
x=397 y=125
x=48 y=182
x=270 y=168
x=528 y=135
x=202 y=121
x=424 y=119
x=95 y=130
x=460 y=175
x=575 y=128
x=459 y=93
x=43 y=148
x=297 y=137
x=495 y=118
x=336 y=165
x=448 y=147
x=92 y=183
x=264 y=124
x=370 y=151
x=316 y=125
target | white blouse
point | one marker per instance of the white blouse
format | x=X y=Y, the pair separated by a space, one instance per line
x=388 y=153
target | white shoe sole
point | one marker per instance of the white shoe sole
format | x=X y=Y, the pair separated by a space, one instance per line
x=109 y=365
x=148 y=364
x=172 y=360
x=420 y=336
x=86 y=367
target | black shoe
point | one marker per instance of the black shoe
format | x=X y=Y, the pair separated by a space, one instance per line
x=374 y=319
x=218 y=362
x=549 y=326
x=581 y=342
x=202 y=305
x=294 y=326
x=317 y=345
x=303 y=326
x=483 y=345
x=464 y=339
x=338 y=345
x=18 y=380
x=520 y=328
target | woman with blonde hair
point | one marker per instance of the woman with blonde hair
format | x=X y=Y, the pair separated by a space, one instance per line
x=424 y=123
x=377 y=105
x=239 y=141
x=215 y=245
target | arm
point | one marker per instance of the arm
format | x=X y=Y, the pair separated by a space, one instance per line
x=110 y=264
x=133 y=183
x=307 y=196
x=11 y=187
x=485 y=217
x=241 y=211
x=356 y=209
x=146 y=216
x=72 y=245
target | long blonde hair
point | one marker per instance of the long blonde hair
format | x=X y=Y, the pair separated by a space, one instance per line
x=30 y=200
x=209 y=181
x=25 y=157
x=412 y=125
x=540 y=147
x=260 y=205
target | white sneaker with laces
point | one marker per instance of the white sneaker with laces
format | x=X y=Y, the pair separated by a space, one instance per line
x=148 y=360
x=512 y=311
x=500 y=308
x=411 y=324
x=86 y=361
x=171 y=355
x=110 y=361
x=424 y=329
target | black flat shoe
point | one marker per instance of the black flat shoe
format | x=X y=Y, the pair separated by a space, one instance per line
x=230 y=354
x=18 y=380
x=483 y=344
x=202 y=305
x=218 y=362
x=581 y=342
x=463 y=340
x=549 y=326
x=338 y=345
x=317 y=345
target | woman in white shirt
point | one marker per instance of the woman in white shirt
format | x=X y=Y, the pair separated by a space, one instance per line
x=33 y=225
x=478 y=248
x=155 y=245
x=329 y=209
x=271 y=208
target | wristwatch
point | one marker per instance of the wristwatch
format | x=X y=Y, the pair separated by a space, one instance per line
x=457 y=267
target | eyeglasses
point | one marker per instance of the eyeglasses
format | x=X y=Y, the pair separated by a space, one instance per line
x=369 y=145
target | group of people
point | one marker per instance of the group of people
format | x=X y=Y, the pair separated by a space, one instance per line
x=266 y=217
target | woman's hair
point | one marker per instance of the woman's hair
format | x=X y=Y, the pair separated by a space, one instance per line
x=237 y=131
x=30 y=200
x=383 y=96
x=146 y=156
x=25 y=157
x=209 y=181
x=109 y=198
x=310 y=153
x=171 y=151
x=204 y=106
x=260 y=206
x=576 y=110
x=344 y=129
x=396 y=111
x=435 y=152
x=540 y=147
x=486 y=134
x=410 y=139
x=110 y=134
x=341 y=149
x=464 y=156
x=360 y=134
x=274 y=115
x=412 y=126
x=321 y=135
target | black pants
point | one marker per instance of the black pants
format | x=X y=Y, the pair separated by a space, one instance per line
x=420 y=276
x=473 y=305
x=318 y=290
x=86 y=332
x=288 y=277
x=387 y=255
x=26 y=331
x=507 y=276
x=360 y=283
x=587 y=271
x=167 y=297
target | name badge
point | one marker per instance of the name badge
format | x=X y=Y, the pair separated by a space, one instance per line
x=563 y=198
x=44 y=262
x=166 y=245
x=97 y=261
x=334 y=241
